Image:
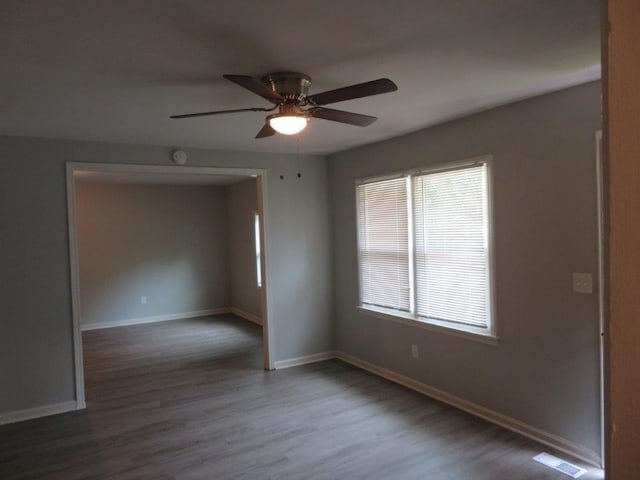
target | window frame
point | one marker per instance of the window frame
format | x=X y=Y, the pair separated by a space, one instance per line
x=256 y=227
x=484 y=335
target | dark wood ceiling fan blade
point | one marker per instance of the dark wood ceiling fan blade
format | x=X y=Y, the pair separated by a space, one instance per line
x=374 y=87
x=266 y=131
x=219 y=112
x=342 y=116
x=256 y=86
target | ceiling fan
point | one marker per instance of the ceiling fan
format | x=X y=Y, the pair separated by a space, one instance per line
x=288 y=91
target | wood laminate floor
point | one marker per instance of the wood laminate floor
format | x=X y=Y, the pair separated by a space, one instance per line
x=189 y=400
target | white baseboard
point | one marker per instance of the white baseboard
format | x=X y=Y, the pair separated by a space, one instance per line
x=517 y=426
x=246 y=315
x=294 y=362
x=37 y=412
x=155 y=318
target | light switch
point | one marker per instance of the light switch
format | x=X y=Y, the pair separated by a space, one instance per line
x=415 y=353
x=582 y=282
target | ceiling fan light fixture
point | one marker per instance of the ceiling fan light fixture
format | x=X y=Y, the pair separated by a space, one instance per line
x=288 y=123
x=289 y=94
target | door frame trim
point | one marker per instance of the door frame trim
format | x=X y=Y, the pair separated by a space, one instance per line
x=73 y=168
x=601 y=284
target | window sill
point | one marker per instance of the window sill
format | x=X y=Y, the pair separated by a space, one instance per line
x=461 y=331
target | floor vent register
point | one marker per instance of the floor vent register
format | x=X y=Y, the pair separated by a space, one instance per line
x=559 y=465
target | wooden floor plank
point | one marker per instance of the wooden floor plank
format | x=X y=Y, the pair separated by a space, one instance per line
x=188 y=399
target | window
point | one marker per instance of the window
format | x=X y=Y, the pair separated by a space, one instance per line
x=256 y=231
x=384 y=244
x=424 y=250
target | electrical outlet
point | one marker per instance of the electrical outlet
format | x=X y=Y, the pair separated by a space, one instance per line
x=582 y=282
x=143 y=300
x=415 y=353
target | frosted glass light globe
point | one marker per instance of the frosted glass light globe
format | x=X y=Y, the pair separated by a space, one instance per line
x=288 y=124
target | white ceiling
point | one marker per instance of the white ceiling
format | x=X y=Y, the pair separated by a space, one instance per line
x=114 y=70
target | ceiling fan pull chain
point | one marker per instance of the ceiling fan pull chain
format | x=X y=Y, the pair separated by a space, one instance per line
x=298 y=155
x=281 y=161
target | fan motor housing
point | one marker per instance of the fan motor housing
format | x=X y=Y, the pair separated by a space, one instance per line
x=293 y=86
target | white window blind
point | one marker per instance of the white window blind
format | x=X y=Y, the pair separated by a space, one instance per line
x=451 y=246
x=383 y=244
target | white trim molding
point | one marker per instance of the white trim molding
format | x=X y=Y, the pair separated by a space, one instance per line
x=37 y=412
x=601 y=282
x=246 y=315
x=176 y=171
x=492 y=416
x=304 y=360
x=155 y=318
x=467 y=333
x=74 y=270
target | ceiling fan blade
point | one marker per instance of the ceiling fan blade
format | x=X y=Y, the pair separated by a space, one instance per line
x=266 y=131
x=219 y=112
x=342 y=116
x=374 y=87
x=256 y=86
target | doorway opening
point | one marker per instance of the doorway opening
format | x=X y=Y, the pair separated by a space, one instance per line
x=81 y=175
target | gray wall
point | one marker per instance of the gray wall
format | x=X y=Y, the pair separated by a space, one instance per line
x=242 y=203
x=36 y=351
x=165 y=242
x=544 y=371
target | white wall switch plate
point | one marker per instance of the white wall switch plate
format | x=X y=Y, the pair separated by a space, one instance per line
x=143 y=300
x=582 y=282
